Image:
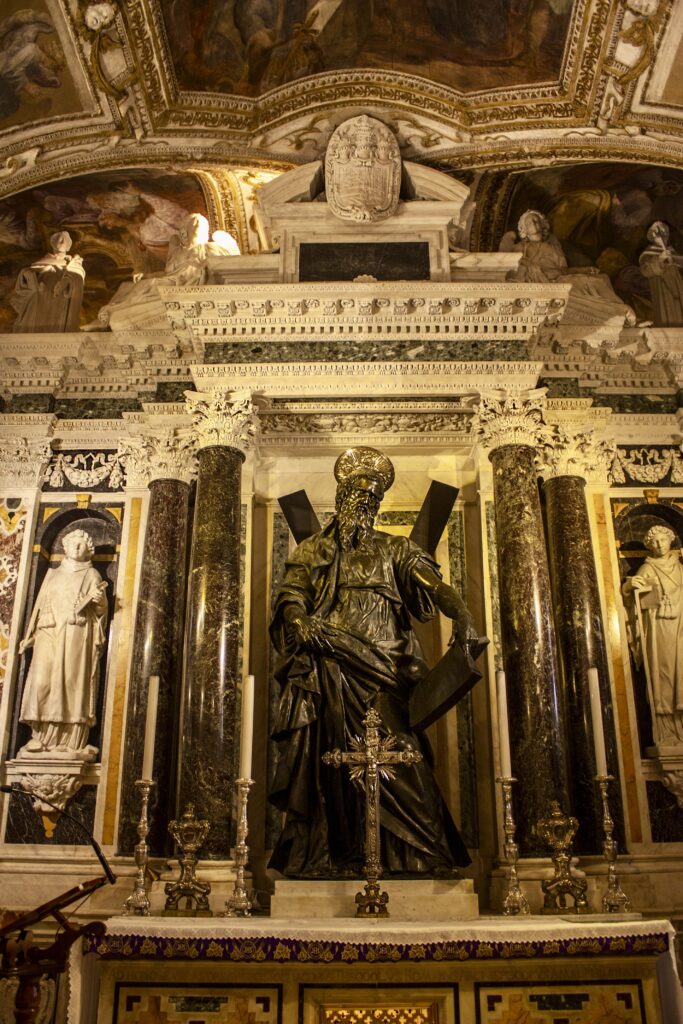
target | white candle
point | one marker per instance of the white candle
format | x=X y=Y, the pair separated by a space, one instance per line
x=503 y=727
x=150 y=727
x=247 y=730
x=596 y=717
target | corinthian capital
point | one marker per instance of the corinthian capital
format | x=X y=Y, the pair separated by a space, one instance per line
x=502 y=417
x=23 y=461
x=158 y=456
x=225 y=418
x=582 y=453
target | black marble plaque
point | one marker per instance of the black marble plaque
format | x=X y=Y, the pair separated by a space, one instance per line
x=24 y=823
x=344 y=261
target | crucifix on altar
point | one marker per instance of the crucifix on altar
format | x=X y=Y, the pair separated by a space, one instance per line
x=373 y=758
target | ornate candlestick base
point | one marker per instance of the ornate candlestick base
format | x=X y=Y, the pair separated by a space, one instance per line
x=239 y=904
x=189 y=834
x=558 y=831
x=138 y=901
x=615 y=900
x=515 y=901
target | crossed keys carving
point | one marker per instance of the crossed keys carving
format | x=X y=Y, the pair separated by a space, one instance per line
x=373 y=759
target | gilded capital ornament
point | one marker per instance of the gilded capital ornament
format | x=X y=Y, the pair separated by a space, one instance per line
x=582 y=453
x=502 y=417
x=225 y=418
x=23 y=461
x=158 y=456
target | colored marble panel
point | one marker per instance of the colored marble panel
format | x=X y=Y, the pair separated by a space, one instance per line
x=157 y=650
x=577 y=1002
x=537 y=728
x=12 y=526
x=581 y=645
x=359 y=350
x=177 y=1003
x=572 y=387
x=666 y=817
x=213 y=648
x=24 y=823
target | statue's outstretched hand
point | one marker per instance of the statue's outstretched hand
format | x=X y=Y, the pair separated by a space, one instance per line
x=308 y=633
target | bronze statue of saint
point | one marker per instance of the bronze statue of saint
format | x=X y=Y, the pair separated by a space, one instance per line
x=342 y=627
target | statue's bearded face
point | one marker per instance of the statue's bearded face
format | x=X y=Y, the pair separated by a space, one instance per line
x=358 y=503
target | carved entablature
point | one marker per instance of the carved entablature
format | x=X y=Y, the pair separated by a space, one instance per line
x=224 y=418
x=380 y=308
x=159 y=456
x=329 y=380
x=503 y=418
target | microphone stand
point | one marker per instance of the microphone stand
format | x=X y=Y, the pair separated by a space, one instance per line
x=28 y=963
x=19 y=790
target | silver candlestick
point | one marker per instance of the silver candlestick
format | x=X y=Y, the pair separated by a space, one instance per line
x=138 y=901
x=239 y=904
x=615 y=900
x=515 y=901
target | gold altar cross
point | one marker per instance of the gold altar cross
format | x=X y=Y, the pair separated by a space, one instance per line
x=372 y=758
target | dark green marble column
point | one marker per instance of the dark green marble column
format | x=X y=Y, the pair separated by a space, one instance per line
x=214 y=628
x=581 y=643
x=157 y=642
x=535 y=711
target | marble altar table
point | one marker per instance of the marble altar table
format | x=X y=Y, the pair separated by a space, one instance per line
x=265 y=970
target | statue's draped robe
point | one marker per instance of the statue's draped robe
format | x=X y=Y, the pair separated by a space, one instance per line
x=61 y=686
x=365 y=598
x=663 y=643
x=666 y=284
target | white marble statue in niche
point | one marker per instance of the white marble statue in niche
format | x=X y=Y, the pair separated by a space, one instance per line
x=662 y=265
x=592 y=299
x=654 y=596
x=186 y=265
x=66 y=632
x=49 y=293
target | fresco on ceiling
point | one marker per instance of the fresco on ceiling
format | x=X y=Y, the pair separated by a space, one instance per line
x=120 y=223
x=601 y=213
x=250 y=46
x=35 y=77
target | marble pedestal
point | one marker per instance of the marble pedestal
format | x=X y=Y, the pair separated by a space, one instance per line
x=426 y=899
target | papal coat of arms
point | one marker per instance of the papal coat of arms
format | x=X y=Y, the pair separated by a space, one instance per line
x=362 y=170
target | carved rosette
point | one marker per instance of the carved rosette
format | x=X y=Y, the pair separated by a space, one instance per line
x=23 y=462
x=583 y=454
x=362 y=170
x=503 y=418
x=162 y=456
x=224 y=418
